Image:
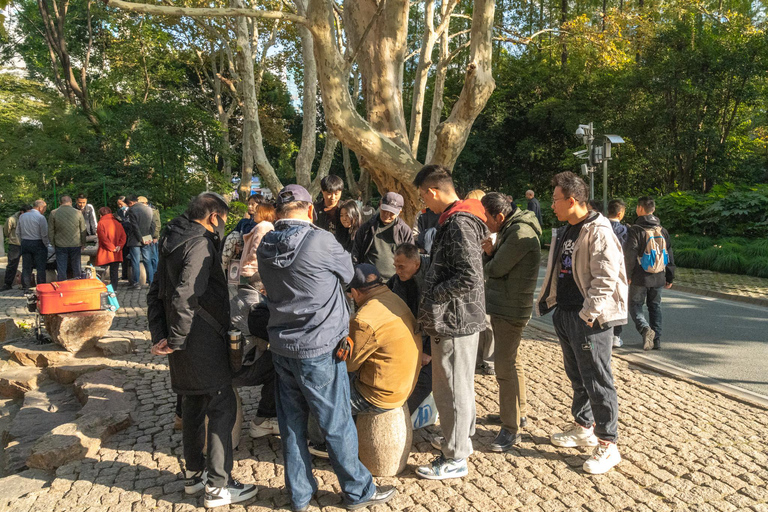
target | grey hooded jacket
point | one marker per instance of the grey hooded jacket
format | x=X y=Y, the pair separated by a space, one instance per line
x=305 y=272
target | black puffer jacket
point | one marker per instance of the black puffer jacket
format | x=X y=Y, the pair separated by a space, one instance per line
x=453 y=299
x=189 y=278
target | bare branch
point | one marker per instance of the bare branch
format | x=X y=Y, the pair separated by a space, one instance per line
x=207 y=12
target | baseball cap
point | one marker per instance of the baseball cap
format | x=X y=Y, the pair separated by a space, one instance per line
x=361 y=278
x=142 y=199
x=392 y=202
x=293 y=193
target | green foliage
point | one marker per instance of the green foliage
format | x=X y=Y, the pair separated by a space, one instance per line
x=732 y=255
x=236 y=212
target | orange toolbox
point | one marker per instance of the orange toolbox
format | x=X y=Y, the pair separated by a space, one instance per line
x=71 y=296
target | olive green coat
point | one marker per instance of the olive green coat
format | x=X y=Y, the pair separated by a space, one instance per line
x=513 y=268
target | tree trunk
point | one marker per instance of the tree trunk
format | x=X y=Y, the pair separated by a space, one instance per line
x=452 y=134
x=307 y=149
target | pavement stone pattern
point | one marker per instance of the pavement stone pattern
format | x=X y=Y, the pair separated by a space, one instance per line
x=731 y=284
x=683 y=448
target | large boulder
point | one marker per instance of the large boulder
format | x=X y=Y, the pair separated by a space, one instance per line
x=384 y=441
x=78 y=331
x=29 y=353
x=115 y=346
x=69 y=371
x=107 y=409
x=8 y=330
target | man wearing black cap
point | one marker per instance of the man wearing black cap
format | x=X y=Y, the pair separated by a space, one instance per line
x=377 y=239
x=304 y=271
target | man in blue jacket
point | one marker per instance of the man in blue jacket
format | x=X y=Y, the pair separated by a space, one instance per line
x=305 y=271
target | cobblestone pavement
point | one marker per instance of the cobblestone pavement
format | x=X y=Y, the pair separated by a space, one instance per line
x=731 y=284
x=684 y=448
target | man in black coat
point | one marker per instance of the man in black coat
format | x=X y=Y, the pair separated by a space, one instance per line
x=534 y=206
x=188 y=315
x=139 y=236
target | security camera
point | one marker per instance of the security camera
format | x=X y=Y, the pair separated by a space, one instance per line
x=579 y=132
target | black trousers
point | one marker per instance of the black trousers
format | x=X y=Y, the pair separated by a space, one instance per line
x=14 y=256
x=423 y=388
x=260 y=373
x=114 y=273
x=587 y=360
x=221 y=409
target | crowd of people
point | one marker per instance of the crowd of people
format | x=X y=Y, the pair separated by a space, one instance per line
x=128 y=236
x=340 y=316
x=338 y=311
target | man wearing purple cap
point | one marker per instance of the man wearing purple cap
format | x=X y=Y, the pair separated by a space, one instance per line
x=305 y=271
x=377 y=239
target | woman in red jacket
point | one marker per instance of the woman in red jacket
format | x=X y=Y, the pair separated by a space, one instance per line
x=111 y=241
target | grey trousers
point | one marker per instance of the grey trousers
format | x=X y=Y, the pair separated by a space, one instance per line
x=485 y=348
x=509 y=371
x=453 y=385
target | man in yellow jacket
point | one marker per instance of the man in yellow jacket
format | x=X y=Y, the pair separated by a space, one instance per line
x=386 y=356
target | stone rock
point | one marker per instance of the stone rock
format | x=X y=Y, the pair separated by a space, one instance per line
x=115 y=346
x=107 y=410
x=69 y=372
x=8 y=330
x=43 y=410
x=384 y=441
x=17 y=486
x=16 y=381
x=29 y=353
x=78 y=331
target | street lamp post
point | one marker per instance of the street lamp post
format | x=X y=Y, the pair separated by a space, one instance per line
x=596 y=154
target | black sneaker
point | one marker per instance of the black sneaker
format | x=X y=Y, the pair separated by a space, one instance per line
x=656 y=344
x=319 y=450
x=504 y=441
x=381 y=495
x=234 y=492
x=195 y=481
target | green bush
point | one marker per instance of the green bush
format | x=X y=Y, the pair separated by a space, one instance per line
x=734 y=255
x=236 y=212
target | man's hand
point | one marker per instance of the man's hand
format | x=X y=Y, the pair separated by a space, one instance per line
x=629 y=281
x=668 y=286
x=161 y=348
x=590 y=324
x=425 y=359
x=487 y=245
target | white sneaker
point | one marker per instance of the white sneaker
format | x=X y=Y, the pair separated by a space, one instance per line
x=267 y=427
x=234 y=492
x=617 y=342
x=441 y=468
x=575 y=436
x=194 y=481
x=438 y=442
x=605 y=456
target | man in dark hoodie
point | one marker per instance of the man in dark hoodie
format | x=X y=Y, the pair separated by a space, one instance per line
x=452 y=313
x=188 y=315
x=646 y=285
x=305 y=271
x=511 y=266
x=616 y=210
x=407 y=283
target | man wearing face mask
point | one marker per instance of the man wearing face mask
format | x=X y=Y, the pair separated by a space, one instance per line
x=188 y=314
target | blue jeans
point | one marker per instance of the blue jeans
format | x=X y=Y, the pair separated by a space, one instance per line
x=318 y=385
x=637 y=296
x=155 y=256
x=33 y=254
x=67 y=257
x=587 y=361
x=138 y=255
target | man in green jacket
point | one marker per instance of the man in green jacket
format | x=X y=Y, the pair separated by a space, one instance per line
x=66 y=231
x=510 y=265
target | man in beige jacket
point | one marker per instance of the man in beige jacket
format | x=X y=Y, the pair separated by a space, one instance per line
x=586 y=285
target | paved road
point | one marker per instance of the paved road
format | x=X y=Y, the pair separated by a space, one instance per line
x=717 y=338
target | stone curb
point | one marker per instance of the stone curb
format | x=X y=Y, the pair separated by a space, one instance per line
x=710 y=384
x=721 y=295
